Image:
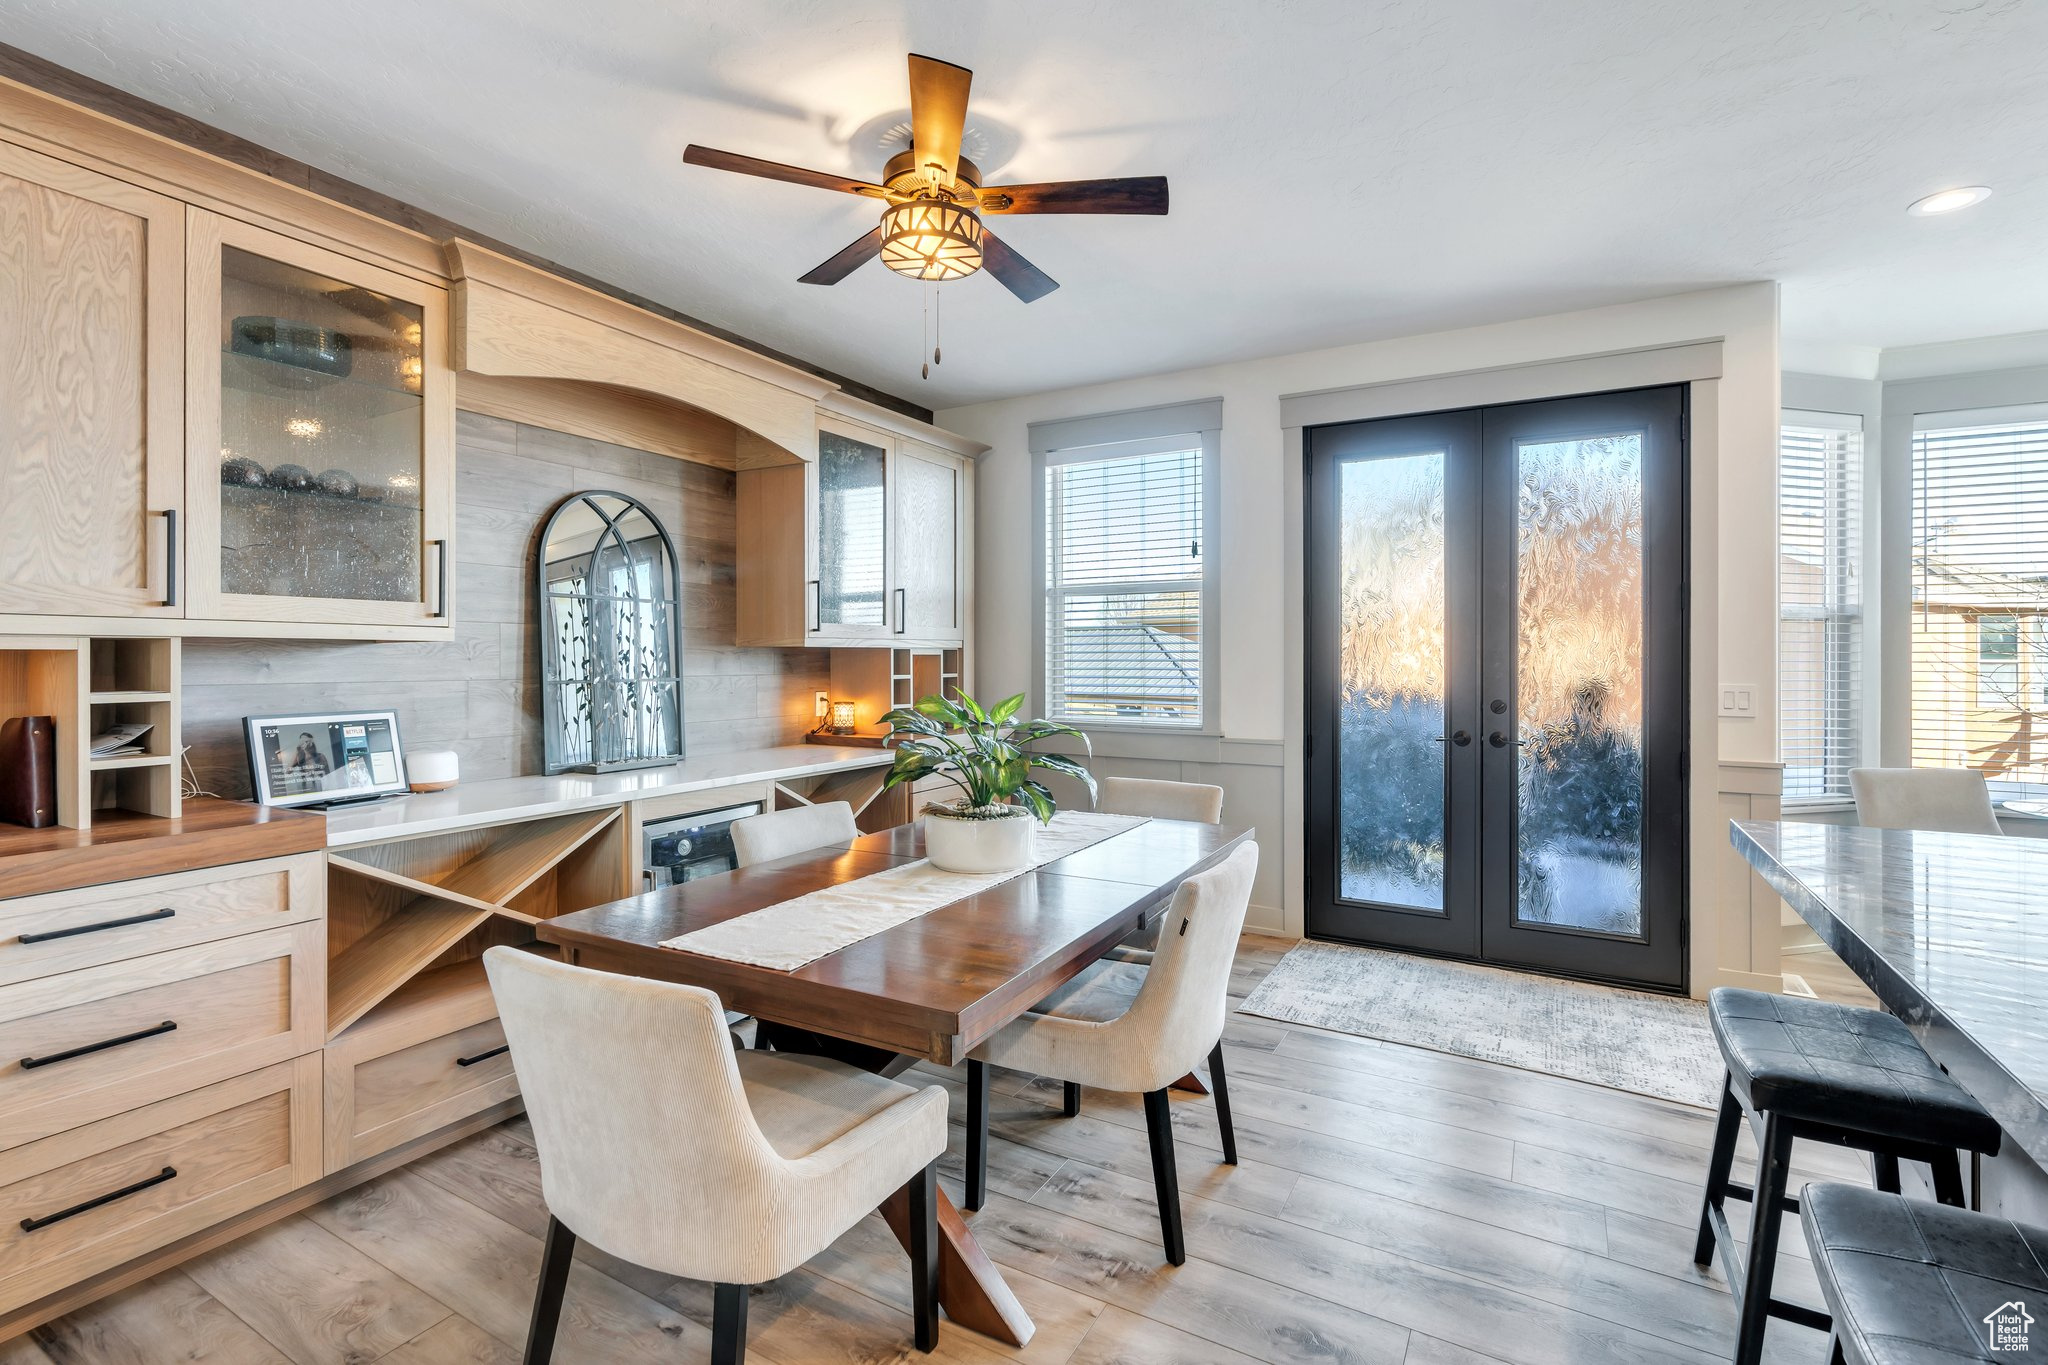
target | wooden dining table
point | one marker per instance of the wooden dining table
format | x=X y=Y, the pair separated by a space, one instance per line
x=932 y=988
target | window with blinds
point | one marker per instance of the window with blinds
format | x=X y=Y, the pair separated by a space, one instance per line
x=1124 y=588
x=1820 y=603
x=1979 y=627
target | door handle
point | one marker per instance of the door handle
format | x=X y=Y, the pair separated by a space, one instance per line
x=1498 y=740
x=1461 y=738
x=440 y=579
x=900 y=623
x=817 y=591
x=170 y=556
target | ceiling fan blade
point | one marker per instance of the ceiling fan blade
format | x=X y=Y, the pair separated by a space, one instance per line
x=1130 y=194
x=938 y=113
x=849 y=259
x=775 y=170
x=1018 y=275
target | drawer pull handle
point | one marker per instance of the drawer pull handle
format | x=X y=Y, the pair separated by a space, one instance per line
x=31 y=1224
x=31 y=1063
x=483 y=1056
x=49 y=934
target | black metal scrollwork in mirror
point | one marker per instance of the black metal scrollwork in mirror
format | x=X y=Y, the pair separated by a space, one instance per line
x=611 y=637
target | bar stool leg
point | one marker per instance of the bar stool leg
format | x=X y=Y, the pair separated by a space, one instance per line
x=1772 y=1171
x=1070 y=1099
x=1726 y=1130
x=1948 y=1180
x=1887 y=1170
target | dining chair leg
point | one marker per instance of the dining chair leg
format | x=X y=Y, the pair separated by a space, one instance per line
x=1222 y=1089
x=922 y=1194
x=1948 y=1180
x=1165 y=1179
x=1726 y=1130
x=977 y=1134
x=728 y=1324
x=557 y=1253
x=1070 y=1099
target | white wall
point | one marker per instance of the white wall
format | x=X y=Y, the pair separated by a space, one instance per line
x=1734 y=460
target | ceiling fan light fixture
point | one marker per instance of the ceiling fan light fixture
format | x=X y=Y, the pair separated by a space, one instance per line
x=931 y=239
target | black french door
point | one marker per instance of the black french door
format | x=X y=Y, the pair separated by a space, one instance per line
x=1496 y=622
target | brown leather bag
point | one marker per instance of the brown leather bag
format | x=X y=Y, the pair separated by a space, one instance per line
x=28 y=771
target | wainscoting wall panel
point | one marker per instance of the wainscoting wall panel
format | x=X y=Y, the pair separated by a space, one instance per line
x=478 y=693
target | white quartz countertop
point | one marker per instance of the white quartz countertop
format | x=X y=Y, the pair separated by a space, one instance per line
x=469 y=804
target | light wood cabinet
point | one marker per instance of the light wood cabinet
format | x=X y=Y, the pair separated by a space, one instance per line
x=319 y=434
x=91 y=436
x=865 y=544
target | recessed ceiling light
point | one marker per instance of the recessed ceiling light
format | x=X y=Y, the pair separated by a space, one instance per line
x=1948 y=201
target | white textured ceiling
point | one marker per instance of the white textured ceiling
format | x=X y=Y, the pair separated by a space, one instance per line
x=1341 y=171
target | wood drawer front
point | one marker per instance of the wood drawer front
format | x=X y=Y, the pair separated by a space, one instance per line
x=238 y=1003
x=234 y=1145
x=375 y=1103
x=206 y=904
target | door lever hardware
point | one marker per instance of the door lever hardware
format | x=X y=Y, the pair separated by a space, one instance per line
x=1458 y=737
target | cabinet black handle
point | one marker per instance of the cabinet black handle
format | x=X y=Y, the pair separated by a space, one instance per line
x=77 y=929
x=440 y=579
x=817 y=591
x=170 y=556
x=31 y=1224
x=31 y=1063
x=483 y=1056
x=900 y=623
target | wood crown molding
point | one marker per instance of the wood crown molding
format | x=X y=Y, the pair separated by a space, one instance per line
x=466 y=260
x=840 y=403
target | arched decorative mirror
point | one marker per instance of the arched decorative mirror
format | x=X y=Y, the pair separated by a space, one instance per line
x=611 y=637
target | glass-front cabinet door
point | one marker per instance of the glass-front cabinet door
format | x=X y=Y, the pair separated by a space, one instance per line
x=928 y=531
x=320 y=435
x=849 y=580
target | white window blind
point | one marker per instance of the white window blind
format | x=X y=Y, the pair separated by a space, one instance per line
x=1820 y=603
x=1980 y=595
x=1124 y=587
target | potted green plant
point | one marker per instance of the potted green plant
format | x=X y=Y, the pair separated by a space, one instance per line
x=985 y=754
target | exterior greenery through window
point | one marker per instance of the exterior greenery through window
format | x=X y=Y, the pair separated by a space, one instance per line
x=1124 y=589
x=1979 y=589
x=1820 y=603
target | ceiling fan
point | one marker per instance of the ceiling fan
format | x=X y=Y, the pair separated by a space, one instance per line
x=932 y=228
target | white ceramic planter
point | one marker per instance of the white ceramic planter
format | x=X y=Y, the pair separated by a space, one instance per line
x=1000 y=845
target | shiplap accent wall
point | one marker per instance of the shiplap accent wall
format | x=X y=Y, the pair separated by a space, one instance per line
x=478 y=693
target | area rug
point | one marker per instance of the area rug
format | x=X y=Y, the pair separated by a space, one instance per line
x=1627 y=1040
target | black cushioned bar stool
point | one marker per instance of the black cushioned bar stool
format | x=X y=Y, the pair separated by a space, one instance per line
x=1911 y=1283
x=1826 y=1073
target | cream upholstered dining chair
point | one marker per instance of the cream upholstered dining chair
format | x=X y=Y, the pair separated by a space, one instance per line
x=1162 y=800
x=1946 y=800
x=1135 y=1028
x=1159 y=800
x=664 y=1147
x=780 y=833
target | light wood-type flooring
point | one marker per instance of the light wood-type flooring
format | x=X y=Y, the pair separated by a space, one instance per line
x=1393 y=1205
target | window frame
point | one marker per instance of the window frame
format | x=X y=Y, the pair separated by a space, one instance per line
x=1122 y=436
x=1847 y=690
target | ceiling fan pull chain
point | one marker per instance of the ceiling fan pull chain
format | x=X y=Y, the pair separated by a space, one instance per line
x=925 y=370
x=938 y=319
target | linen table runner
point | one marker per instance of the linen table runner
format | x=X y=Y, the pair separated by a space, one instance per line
x=792 y=933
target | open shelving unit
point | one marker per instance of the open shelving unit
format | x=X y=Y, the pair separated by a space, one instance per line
x=409 y=919
x=86 y=685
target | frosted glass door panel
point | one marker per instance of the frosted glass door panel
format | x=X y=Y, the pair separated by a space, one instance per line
x=1391 y=548
x=1579 y=683
x=322 y=456
x=853 y=546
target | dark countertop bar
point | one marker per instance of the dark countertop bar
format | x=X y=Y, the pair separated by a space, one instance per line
x=1949 y=931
